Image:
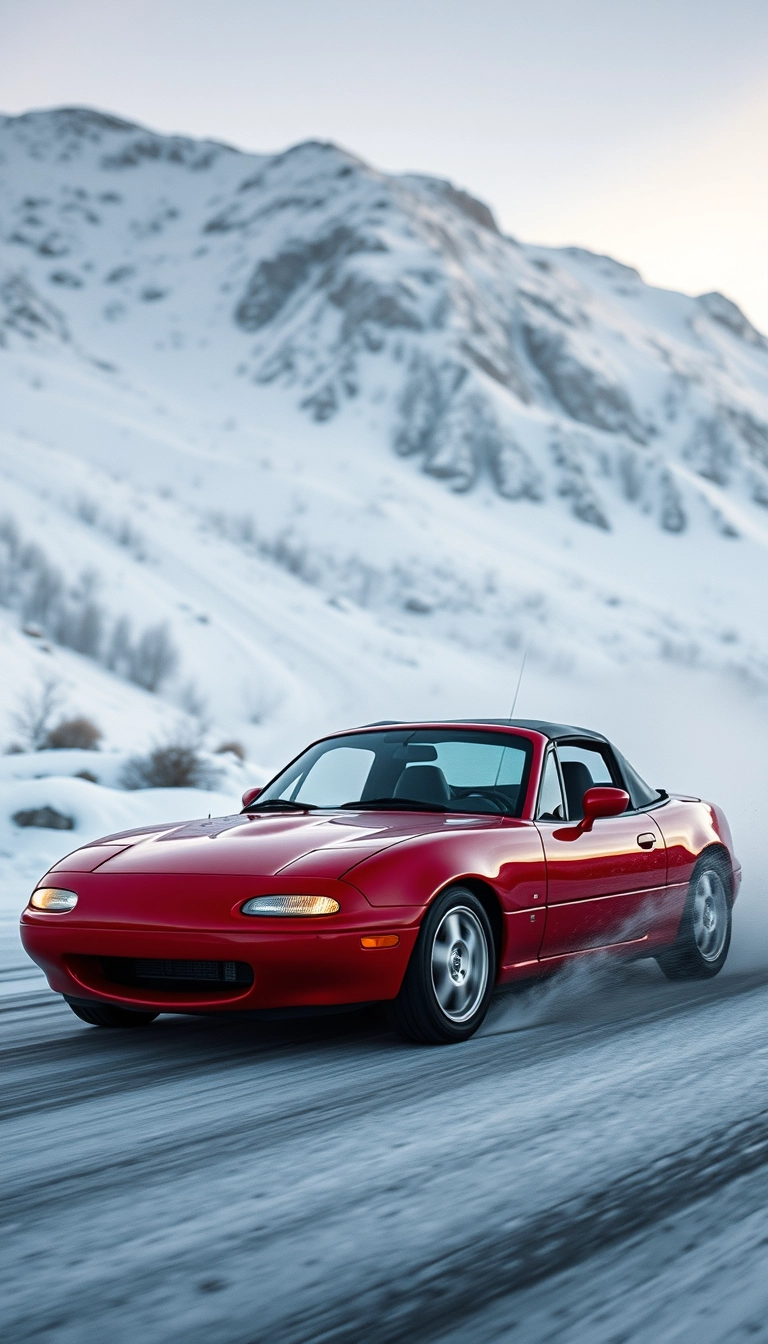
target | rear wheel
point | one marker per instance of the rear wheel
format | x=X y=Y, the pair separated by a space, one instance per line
x=705 y=929
x=450 y=977
x=109 y=1015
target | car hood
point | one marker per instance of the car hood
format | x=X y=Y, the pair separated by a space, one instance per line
x=266 y=845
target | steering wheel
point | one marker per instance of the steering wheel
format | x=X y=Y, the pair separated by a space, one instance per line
x=498 y=803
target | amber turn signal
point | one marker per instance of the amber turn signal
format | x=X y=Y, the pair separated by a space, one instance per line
x=380 y=940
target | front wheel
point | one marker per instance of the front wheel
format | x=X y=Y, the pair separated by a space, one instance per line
x=109 y=1015
x=705 y=929
x=450 y=977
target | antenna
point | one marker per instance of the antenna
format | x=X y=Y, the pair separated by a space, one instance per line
x=511 y=712
x=519 y=679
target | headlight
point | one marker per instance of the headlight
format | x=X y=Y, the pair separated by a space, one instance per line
x=291 y=905
x=53 y=898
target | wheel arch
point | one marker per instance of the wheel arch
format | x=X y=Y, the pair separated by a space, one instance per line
x=717 y=850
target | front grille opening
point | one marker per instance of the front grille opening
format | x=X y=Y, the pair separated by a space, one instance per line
x=195 y=976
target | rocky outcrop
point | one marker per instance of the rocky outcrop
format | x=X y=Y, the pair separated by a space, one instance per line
x=24 y=313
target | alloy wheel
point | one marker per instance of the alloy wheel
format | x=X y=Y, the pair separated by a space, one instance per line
x=460 y=963
x=710 y=915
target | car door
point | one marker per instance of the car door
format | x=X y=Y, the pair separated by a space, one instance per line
x=604 y=884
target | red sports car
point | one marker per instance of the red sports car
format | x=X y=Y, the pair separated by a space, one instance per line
x=416 y=863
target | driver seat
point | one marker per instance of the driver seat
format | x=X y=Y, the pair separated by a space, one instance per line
x=423 y=784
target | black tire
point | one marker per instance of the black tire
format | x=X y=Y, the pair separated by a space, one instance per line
x=110 y=1015
x=705 y=928
x=450 y=977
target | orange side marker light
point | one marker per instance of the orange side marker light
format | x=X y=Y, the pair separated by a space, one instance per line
x=380 y=940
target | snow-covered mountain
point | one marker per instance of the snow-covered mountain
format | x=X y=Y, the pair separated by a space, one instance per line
x=349 y=446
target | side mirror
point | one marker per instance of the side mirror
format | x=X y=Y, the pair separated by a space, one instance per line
x=250 y=796
x=600 y=801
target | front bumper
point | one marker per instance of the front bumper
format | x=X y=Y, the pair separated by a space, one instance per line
x=291 y=967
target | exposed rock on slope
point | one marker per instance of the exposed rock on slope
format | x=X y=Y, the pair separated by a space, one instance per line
x=24 y=313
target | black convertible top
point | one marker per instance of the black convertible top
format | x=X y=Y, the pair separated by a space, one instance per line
x=641 y=794
x=554 y=731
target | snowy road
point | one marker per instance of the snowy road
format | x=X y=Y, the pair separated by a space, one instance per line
x=593 y=1166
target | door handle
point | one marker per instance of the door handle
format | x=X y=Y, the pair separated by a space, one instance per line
x=647 y=840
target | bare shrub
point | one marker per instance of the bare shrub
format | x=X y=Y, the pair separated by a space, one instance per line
x=81 y=628
x=71 y=616
x=10 y=561
x=194 y=703
x=119 y=648
x=233 y=748
x=9 y=534
x=78 y=732
x=10 y=546
x=36 y=709
x=154 y=658
x=44 y=594
x=175 y=764
x=120 y=530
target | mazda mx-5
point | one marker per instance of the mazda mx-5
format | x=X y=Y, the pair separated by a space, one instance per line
x=417 y=864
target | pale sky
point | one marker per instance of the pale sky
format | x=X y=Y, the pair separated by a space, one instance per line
x=638 y=129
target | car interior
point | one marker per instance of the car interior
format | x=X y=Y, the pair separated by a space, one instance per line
x=427 y=784
x=455 y=769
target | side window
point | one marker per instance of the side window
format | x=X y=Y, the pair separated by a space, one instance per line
x=582 y=767
x=550 y=794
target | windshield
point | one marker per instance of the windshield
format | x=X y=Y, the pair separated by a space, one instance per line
x=441 y=770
